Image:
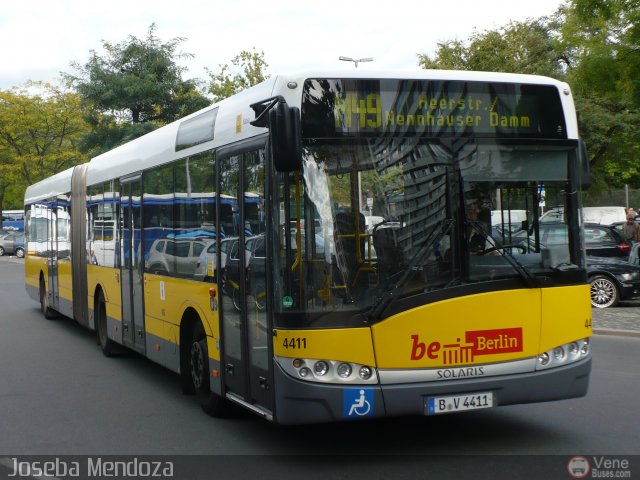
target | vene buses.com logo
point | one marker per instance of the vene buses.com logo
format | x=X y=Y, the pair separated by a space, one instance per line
x=476 y=342
x=578 y=467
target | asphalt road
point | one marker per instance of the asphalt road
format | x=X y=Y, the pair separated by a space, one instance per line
x=60 y=396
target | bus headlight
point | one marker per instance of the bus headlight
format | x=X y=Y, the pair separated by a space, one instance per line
x=585 y=348
x=344 y=370
x=328 y=371
x=543 y=359
x=573 y=350
x=321 y=368
x=365 y=373
x=563 y=354
x=558 y=354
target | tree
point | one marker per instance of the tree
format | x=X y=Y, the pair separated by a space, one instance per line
x=39 y=136
x=229 y=81
x=601 y=42
x=134 y=87
x=594 y=45
x=522 y=47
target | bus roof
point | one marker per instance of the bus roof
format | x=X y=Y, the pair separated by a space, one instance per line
x=49 y=187
x=234 y=114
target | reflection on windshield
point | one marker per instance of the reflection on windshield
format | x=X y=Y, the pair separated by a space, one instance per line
x=393 y=218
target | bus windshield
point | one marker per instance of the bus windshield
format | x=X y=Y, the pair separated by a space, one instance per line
x=369 y=222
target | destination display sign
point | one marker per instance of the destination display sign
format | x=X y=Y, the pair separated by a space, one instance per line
x=348 y=107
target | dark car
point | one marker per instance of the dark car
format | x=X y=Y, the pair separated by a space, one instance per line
x=12 y=243
x=612 y=280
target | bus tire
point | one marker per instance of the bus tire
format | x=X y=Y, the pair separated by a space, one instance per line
x=212 y=403
x=108 y=346
x=48 y=313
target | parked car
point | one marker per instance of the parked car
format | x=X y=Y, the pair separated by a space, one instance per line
x=600 y=240
x=599 y=215
x=612 y=280
x=12 y=243
x=208 y=255
x=175 y=255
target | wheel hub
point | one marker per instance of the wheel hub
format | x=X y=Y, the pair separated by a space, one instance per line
x=197 y=364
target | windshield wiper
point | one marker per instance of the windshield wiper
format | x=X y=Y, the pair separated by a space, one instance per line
x=390 y=295
x=528 y=277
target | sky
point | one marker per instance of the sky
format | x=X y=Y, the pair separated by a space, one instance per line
x=40 y=38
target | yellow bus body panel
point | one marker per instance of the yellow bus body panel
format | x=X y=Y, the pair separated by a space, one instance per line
x=566 y=315
x=474 y=329
x=347 y=345
x=109 y=280
x=65 y=284
x=32 y=267
x=166 y=300
x=485 y=328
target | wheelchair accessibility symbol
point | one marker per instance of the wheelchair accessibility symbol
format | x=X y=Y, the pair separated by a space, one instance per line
x=358 y=402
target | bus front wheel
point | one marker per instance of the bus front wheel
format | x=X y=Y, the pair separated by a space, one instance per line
x=212 y=403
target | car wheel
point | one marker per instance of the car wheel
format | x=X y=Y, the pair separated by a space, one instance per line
x=19 y=252
x=604 y=292
x=1 y=251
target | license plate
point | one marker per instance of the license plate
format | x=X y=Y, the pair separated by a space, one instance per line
x=458 y=403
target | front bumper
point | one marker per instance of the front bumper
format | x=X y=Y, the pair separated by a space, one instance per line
x=629 y=289
x=299 y=402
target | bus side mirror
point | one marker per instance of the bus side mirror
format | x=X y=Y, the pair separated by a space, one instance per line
x=583 y=161
x=284 y=135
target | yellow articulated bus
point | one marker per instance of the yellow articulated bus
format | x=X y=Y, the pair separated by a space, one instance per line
x=327 y=247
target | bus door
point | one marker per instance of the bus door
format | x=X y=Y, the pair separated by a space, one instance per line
x=132 y=263
x=52 y=253
x=246 y=357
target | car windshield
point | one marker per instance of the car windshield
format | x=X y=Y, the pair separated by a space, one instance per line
x=411 y=217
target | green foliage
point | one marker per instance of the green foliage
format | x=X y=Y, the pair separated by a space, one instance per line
x=229 y=81
x=523 y=47
x=135 y=82
x=594 y=45
x=39 y=136
x=601 y=40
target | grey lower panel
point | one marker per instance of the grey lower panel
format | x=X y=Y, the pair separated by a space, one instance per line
x=65 y=307
x=114 y=329
x=33 y=292
x=167 y=354
x=300 y=402
x=164 y=352
x=216 y=382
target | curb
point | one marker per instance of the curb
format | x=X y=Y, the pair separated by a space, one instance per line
x=616 y=332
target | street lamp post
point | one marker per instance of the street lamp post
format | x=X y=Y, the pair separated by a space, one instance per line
x=356 y=61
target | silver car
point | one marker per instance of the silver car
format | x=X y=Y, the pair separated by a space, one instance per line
x=12 y=243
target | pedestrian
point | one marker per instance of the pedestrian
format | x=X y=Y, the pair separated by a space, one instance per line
x=631 y=229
